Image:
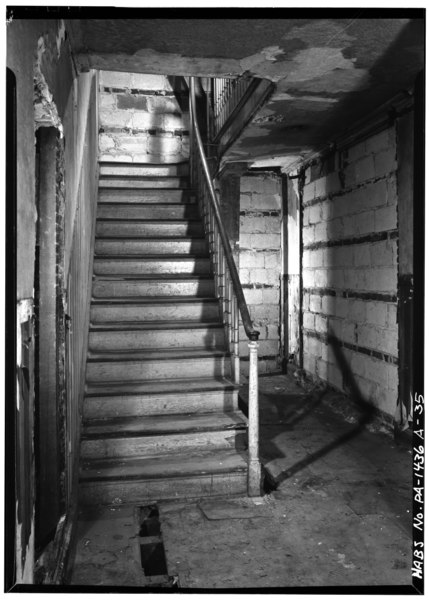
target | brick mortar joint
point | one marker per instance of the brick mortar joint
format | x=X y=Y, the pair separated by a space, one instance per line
x=371 y=352
x=372 y=238
x=254 y=212
x=350 y=321
x=345 y=191
x=352 y=294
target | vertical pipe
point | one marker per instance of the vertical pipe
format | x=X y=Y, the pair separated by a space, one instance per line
x=254 y=469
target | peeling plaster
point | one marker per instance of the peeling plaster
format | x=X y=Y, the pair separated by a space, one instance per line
x=305 y=64
x=273 y=118
x=315 y=62
x=45 y=110
x=334 y=82
x=257 y=61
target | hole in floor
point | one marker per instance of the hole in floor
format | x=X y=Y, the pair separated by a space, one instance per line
x=153 y=559
x=149 y=521
x=152 y=551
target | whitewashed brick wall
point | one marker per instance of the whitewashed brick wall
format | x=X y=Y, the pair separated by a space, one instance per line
x=349 y=263
x=140 y=120
x=260 y=264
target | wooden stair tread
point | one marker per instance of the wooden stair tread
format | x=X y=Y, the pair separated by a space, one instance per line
x=153 y=257
x=187 y=238
x=150 y=325
x=166 y=205
x=154 y=277
x=122 y=191
x=167 y=223
x=173 y=300
x=145 y=177
x=163 y=424
x=159 y=467
x=154 y=354
x=176 y=387
x=124 y=163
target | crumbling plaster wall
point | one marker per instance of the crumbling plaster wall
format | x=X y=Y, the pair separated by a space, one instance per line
x=349 y=268
x=141 y=119
x=39 y=56
x=260 y=262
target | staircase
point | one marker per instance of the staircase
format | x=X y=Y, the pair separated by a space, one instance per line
x=160 y=416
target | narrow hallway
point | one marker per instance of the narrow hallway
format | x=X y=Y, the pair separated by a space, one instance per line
x=215 y=351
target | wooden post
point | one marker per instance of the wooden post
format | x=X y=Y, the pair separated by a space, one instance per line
x=254 y=469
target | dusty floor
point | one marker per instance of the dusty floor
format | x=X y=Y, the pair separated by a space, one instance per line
x=340 y=514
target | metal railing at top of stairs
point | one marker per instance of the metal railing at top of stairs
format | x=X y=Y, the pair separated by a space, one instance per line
x=228 y=288
x=226 y=95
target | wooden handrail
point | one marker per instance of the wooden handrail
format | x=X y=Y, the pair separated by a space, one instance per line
x=251 y=332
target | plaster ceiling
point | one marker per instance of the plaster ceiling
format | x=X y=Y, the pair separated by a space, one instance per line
x=328 y=72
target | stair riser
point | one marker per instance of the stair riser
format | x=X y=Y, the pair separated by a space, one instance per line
x=154 y=247
x=144 y=170
x=144 y=211
x=197 y=266
x=146 y=491
x=158 y=445
x=145 y=370
x=142 y=183
x=152 y=312
x=105 y=407
x=111 y=289
x=141 y=340
x=149 y=196
x=164 y=229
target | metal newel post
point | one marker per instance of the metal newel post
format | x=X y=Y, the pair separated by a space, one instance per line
x=254 y=473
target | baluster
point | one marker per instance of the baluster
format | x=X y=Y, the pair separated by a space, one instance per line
x=226 y=323
x=206 y=212
x=224 y=290
x=200 y=190
x=229 y=312
x=254 y=470
x=236 y=335
x=214 y=241
x=220 y=273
